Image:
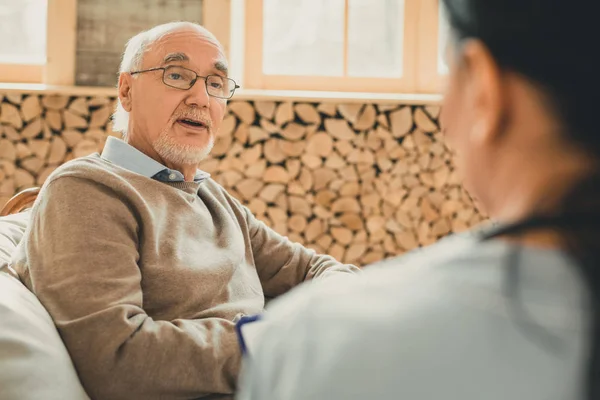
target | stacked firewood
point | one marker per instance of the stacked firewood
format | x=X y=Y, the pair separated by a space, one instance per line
x=39 y=133
x=361 y=182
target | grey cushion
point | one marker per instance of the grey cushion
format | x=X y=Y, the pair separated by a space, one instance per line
x=12 y=228
x=34 y=362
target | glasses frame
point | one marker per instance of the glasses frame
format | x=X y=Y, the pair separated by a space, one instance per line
x=204 y=78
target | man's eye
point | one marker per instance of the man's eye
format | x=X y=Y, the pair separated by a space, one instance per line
x=216 y=85
x=174 y=76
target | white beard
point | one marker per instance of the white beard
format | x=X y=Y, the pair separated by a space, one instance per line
x=181 y=154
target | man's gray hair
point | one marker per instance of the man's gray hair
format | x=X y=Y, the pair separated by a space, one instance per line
x=134 y=54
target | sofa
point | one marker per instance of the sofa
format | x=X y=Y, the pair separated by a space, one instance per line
x=34 y=363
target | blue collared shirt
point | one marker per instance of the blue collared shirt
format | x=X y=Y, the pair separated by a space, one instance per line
x=126 y=156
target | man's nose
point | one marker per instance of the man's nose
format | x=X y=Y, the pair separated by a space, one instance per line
x=198 y=95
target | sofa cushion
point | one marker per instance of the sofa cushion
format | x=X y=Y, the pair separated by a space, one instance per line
x=34 y=362
x=12 y=229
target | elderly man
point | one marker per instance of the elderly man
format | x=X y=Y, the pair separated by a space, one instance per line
x=143 y=261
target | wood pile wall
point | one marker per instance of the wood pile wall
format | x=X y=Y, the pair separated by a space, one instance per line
x=361 y=182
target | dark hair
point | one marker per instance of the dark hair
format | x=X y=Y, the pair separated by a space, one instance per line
x=550 y=42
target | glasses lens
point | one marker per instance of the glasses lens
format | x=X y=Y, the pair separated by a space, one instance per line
x=179 y=77
x=219 y=86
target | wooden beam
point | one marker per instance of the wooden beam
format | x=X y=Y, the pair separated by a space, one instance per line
x=253 y=45
x=216 y=17
x=21 y=73
x=61 y=42
x=429 y=79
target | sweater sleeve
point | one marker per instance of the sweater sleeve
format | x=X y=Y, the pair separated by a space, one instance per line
x=83 y=266
x=283 y=264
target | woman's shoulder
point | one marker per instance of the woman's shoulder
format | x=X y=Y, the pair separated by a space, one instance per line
x=412 y=319
x=461 y=277
x=453 y=268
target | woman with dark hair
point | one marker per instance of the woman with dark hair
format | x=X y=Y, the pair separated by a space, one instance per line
x=509 y=312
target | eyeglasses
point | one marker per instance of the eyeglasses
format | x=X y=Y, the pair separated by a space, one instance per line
x=182 y=78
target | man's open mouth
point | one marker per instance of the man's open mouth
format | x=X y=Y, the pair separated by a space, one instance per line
x=192 y=123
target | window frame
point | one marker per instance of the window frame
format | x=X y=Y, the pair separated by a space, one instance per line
x=429 y=78
x=420 y=58
x=61 y=33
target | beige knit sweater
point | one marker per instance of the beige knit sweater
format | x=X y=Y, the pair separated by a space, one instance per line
x=146 y=279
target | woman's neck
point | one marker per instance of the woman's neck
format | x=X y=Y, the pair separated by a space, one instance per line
x=543 y=193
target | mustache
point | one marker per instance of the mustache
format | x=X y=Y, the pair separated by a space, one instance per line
x=193 y=115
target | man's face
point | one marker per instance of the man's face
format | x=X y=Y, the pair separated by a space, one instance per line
x=179 y=126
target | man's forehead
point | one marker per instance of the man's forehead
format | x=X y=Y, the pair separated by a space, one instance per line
x=220 y=64
x=188 y=46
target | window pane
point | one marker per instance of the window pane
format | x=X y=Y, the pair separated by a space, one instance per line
x=303 y=37
x=443 y=35
x=23 y=31
x=375 y=38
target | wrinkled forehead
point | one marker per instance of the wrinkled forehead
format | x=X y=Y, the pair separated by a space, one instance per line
x=187 y=46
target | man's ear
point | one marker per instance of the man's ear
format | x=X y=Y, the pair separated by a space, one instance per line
x=485 y=89
x=125 y=86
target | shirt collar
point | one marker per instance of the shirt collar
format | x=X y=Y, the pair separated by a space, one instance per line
x=126 y=156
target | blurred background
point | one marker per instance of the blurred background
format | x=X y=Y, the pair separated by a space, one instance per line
x=381 y=40
x=333 y=138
